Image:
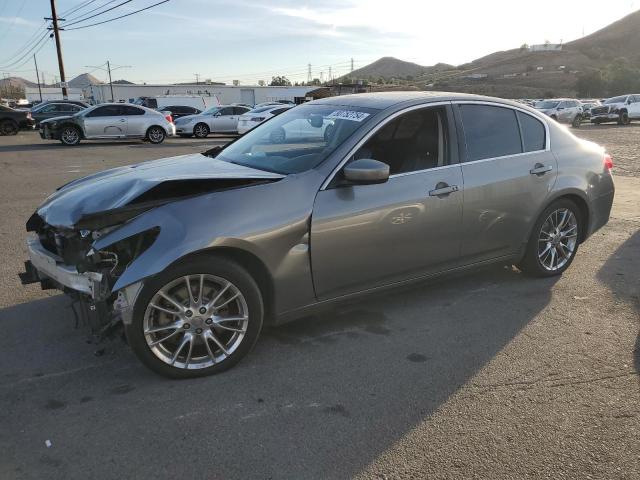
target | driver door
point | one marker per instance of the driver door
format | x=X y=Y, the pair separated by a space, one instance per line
x=105 y=122
x=366 y=236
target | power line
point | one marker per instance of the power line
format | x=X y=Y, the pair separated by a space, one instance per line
x=29 y=43
x=26 y=54
x=121 y=16
x=15 y=17
x=91 y=11
x=97 y=14
x=80 y=6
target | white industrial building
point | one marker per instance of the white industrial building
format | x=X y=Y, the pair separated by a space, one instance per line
x=226 y=94
x=49 y=93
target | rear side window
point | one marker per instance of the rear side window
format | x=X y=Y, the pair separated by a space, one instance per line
x=490 y=131
x=533 y=133
x=128 y=110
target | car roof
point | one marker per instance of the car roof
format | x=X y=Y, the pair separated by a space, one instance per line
x=382 y=100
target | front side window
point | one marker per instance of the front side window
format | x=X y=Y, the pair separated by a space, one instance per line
x=621 y=99
x=490 y=131
x=412 y=142
x=297 y=140
x=106 y=111
x=533 y=132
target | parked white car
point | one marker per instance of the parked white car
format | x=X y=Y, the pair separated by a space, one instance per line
x=620 y=109
x=563 y=110
x=258 y=115
x=222 y=119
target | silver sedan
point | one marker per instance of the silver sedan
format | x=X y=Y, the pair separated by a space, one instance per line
x=328 y=201
x=220 y=119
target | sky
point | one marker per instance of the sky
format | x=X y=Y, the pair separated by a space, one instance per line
x=251 y=40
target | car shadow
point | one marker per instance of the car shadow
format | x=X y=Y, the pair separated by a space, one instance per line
x=318 y=398
x=621 y=275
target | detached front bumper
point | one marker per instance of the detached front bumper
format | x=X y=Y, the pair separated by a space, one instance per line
x=47 y=133
x=44 y=266
x=604 y=117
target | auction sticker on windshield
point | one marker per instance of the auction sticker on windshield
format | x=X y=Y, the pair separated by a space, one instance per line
x=348 y=115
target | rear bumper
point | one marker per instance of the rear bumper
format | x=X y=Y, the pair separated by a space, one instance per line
x=600 y=211
x=44 y=265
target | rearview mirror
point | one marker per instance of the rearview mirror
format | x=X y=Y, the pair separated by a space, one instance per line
x=366 y=171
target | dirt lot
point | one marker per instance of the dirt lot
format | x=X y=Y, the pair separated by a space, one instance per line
x=490 y=375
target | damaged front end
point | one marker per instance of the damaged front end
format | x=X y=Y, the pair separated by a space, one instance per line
x=66 y=259
x=88 y=233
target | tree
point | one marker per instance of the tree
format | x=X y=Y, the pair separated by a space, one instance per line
x=591 y=84
x=280 y=81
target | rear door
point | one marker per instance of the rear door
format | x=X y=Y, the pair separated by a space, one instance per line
x=107 y=121
x=508 y=171
x=137 y=120
x=365 y=236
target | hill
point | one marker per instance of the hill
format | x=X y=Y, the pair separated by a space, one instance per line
x=84 y=80
x=521 y=72
x=390 y=67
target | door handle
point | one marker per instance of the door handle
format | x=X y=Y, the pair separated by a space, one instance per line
x=540 y=169
x=443 y=189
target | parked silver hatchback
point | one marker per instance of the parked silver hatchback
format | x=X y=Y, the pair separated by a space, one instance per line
x=109 y=121
x=328 y=201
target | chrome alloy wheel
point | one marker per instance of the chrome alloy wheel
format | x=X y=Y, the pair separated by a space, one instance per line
x=201 y=130
x=70 y=135
x=558 y=239
x=195 y=321
x=156 y=135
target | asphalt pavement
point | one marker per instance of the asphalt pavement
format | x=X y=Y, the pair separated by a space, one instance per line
x=488 y=375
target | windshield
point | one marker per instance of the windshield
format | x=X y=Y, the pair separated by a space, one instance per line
x=298 y=139
x=547 y=104
x=616 y=100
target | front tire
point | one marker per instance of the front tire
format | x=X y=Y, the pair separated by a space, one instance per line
x=577 y=121
x=70 y=136
x=201 y=130
x=181 y=333
x=8 y=127
x=156 y=135
x=554 y=240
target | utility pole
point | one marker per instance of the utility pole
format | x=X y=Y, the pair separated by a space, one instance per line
x=37 y=77
x=197 y=78
x=352 y=64
x=56 y=33
x=110 y=82
x=309 y=73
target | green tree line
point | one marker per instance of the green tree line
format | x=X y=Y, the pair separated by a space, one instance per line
x=617 y=78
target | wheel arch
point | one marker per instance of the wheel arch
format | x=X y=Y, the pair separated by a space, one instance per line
x=252 y=263
x=73 y=125
x=146 y=133
x=580 y=200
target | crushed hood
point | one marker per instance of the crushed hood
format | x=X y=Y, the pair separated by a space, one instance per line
x=145 y=183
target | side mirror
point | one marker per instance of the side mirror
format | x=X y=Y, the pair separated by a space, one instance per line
x=366 y=171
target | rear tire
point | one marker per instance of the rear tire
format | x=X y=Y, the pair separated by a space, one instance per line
x=156 y=135
x=70 y=136
x=8 y=127
x=201 y=130
x=202 y=354
x=554 y=240
x=623 y=118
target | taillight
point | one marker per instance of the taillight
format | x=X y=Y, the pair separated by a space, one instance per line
x=608 y=161
x=169 y=118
